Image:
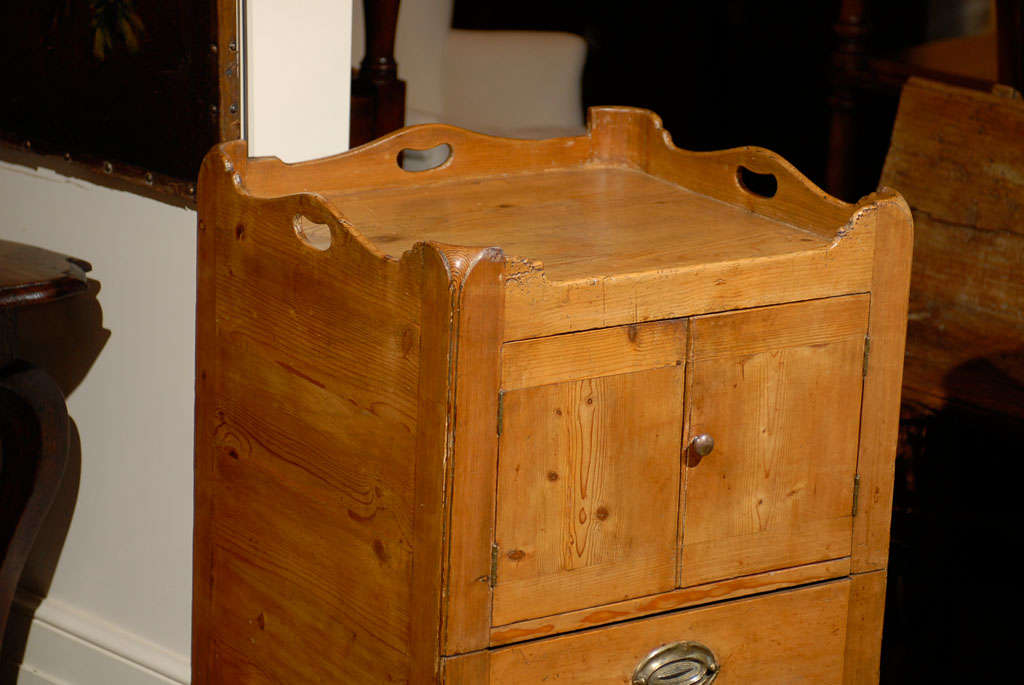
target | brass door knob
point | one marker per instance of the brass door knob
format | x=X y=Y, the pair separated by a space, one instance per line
x=700 y=446
x=678 y=663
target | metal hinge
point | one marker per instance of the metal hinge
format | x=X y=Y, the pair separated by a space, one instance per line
x=493 y=579
x=867 y=353
x=501 y=410
x=856 y=494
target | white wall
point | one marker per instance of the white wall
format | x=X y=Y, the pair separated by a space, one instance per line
x=297 y=75
x=117 y=610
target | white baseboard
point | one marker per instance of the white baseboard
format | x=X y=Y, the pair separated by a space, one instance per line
x=68 y=647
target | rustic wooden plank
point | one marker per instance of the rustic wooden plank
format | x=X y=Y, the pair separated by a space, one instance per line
x=669 y=601
x=431 y=459
x=961 y=266
x=786 y=637
x=304 y=431
x=756 y=331
x=536 y=306
x=965 y=339
x=475 y=456
x=725 y=556
x=879 y=421
x=602 y=352
x=374 y=166
x=956 y=155
x=963 y=355
x=587 y=493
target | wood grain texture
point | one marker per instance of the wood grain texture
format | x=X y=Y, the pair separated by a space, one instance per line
x=467 y=618
x=374 y=166
x=467 y=668
x=211 y=197
x=787 y=637
x=879 y=422
x=323 y=422
x=579 y=254
x=298 y=445
x=669 y=601
x=836 y=263
x=587 y=493
x=603 y=352
x=974 y=145
x=575 y=222
x=864 y=628
x=965 y=335
x=777 y=388
x=767 y=329
x=431 y=460
x=536 y=306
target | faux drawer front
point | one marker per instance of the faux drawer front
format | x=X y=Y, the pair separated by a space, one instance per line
x=588 y=469
x=795 y=636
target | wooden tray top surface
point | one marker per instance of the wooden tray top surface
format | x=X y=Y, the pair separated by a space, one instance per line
x=577 y=223
x=621 y=201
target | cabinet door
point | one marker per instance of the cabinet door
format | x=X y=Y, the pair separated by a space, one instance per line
x=588 y=469
x=779 y=391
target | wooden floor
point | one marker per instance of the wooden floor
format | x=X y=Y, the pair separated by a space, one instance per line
x=578 y=223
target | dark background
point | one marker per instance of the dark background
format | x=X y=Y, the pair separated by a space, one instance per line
x=720 y=74
x=150 y=108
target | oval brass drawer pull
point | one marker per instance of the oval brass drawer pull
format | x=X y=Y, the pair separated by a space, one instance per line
x=678 y=663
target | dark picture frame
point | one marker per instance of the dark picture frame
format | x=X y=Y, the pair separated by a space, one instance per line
x=128 y=93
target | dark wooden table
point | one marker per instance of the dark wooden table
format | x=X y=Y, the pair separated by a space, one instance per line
x=33 y=417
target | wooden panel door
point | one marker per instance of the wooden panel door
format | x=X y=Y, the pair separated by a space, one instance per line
x=779 y=391
x=588 y=470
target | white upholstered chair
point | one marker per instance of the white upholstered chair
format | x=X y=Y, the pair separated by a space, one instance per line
x=521 y=84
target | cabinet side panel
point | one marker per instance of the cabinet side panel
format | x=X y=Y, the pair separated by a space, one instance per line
x=306 y=430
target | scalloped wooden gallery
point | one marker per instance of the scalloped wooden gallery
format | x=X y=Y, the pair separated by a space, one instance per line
x=594 y=410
